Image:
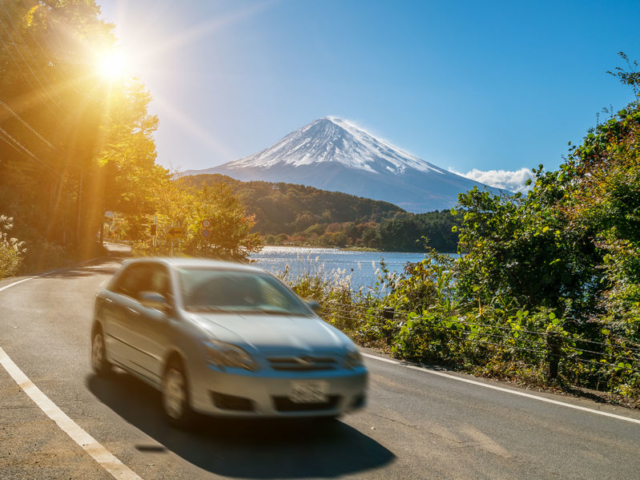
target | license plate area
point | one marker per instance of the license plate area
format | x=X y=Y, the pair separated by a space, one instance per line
x=309 y=391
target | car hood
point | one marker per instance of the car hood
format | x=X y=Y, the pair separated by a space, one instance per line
x=269 y=334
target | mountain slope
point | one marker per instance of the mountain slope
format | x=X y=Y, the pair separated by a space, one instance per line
x=333 y=154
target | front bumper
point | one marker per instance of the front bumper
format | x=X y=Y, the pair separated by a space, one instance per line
x=239 y=393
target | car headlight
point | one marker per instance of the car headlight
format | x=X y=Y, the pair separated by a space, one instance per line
x=226 y=355
x=352 y=359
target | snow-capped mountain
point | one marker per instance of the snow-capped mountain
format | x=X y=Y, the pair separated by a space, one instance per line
x=334 y=154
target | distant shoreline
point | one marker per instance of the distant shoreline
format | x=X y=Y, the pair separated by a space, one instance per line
x=346 y=249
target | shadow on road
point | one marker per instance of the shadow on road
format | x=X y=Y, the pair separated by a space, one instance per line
x=243 y=448
x=75 y=272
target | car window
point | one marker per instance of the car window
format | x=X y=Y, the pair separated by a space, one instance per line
x=236 y=291
x=144 y=278
x=131 y=281
x=160 y=281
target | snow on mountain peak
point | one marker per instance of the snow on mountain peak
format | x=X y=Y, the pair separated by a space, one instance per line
x=332 y=139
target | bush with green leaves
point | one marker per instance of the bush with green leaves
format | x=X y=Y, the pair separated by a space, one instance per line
x=12 y=250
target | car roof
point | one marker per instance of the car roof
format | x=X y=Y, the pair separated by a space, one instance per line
x=204 y=263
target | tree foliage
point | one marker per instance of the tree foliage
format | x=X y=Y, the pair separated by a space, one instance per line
x=75 y=144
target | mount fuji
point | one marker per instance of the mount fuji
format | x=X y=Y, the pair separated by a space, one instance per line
x=334 y=154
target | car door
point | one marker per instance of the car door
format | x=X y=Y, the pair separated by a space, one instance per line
x=150 y=327
x=120 y=311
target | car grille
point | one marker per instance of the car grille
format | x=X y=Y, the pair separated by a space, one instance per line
x=284 y=404
x=302 y=363
x=231 y=402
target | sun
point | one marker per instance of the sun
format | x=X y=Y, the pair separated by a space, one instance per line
x=113 y=65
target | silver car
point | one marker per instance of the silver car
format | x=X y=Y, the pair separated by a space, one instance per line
x=224 y=339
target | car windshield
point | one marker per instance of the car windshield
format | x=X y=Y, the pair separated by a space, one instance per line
x=226 y=291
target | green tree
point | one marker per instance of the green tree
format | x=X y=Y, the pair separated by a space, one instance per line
x=73 y=143
x=521 y=249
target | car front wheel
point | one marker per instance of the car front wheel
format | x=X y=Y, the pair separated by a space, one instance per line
x=175 y=396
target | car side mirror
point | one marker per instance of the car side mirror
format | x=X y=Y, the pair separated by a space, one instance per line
x=315 y=306
x=153 y=300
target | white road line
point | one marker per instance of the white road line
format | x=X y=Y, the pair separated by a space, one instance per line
x=100 y=454
x=500 y=389
x=47 y=273
x=104 y=457
x=16 y=283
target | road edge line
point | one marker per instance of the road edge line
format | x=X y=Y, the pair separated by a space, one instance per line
x=17 y=283
x=99 y=453
x=501 y=389
x=50 y=272
x=90 y=445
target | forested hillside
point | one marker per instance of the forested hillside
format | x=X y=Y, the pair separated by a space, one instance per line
x=288 y=208
x=286 y=213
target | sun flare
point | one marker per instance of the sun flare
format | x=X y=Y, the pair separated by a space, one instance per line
x=113 y=65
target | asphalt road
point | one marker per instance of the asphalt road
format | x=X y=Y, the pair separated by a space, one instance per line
x=417 y=425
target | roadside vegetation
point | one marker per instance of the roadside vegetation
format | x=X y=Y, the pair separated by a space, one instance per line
x=12 y=250
x=547 y=291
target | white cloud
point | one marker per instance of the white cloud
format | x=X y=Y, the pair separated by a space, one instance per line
x=504 y=179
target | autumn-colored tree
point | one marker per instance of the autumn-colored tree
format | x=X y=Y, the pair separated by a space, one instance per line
x=180 y=205
x=73 y=143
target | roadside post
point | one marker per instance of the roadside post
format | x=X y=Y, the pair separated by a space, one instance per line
x=554 y=352
x=388 y=314
x=173 y=233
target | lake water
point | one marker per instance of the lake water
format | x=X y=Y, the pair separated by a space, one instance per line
x=361 y=266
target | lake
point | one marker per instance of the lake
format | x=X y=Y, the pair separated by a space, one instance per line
x=362 y=266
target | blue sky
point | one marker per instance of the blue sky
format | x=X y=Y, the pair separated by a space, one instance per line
x=467 y=85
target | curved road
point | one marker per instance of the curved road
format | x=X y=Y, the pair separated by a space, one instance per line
x=417 y=424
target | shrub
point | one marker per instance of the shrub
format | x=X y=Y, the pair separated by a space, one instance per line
x=12 y=250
